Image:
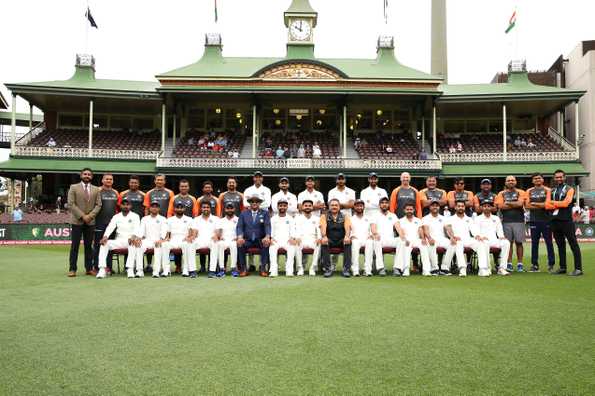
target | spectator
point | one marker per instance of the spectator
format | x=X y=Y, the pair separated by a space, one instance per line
x=280 y=153
x=301 y=153
x=523 y=142
x=459 y=147
x=530 y=143
x=357 y=143
x=236 y=154
x=58 y=204
x=452 y=149
x=316 y=152
x=423 y=156
x=51 y=142
x=191 y=141
x=67 y=145
x=388 y=149
x=17 y=215
x=517 y=141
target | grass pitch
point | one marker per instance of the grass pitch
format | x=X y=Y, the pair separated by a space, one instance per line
x=525 y=334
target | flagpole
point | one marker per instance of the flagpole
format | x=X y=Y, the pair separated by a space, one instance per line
x=87 y=30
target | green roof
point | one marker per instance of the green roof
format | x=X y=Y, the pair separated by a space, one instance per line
x=51 y=165
x=518 y=87
x=517 y=169
x=300 y=7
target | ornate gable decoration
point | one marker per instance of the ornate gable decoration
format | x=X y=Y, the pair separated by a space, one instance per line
x=299 y=71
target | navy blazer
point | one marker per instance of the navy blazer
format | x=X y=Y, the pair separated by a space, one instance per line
x=254 y=230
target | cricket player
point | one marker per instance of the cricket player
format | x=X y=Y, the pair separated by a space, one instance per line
x=282 y=237
x=463 y=233
x=385 y=235
x=411 y=234
x=228 y=241
x=371 y=195
x=490 y=230
x=126 y=224
x=307 y=236
x=343 y=194
x=204 y=234
x=178 y=231
x=313 y=195
x=362 y=230
x=435 y=235
x=292 y=201
x=153 y=231
x=258 y=189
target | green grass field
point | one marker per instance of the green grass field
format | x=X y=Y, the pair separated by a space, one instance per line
x=525 y=334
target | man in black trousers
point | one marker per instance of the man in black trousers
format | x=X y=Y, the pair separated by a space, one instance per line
x=563 y=228
x=84 y=203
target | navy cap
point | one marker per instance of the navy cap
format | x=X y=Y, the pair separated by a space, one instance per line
x=258 y=173
x=372 y=174
x=282 y=200
x=486 y=181
x=359 y=201
x=488 y=202
x=125 y=199
x=230 y=205
x=341 y=175
x=434 y=202
x=154 y=203
x=284 y=178
x=310 y=177
x=383 y=199
x=179 y=204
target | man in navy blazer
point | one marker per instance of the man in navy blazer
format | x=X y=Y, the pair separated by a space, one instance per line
x=254 y=231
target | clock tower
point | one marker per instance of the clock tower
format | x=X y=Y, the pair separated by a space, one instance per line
x=300 y=20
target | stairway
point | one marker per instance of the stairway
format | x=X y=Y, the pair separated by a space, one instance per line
x=351 y=152
x=246 y=151
x=169 y=148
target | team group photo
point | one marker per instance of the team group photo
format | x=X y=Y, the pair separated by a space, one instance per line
x=297 y=197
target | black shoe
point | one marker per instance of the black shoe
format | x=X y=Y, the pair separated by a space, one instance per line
x=550 y=268
x=328 y=273
x=346 y=274
x=382 y=272
x=534 y=268
x=193 y=274
x=561 y=271
x=148 y=270
x=397 y=272
x=576 y=272
x=444 y=273
x=252 y=268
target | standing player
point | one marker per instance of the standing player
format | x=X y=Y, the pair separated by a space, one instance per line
x=207 y=196
x=258 y=189
x=343 y=194
x=371 y=196
x=228 y=241
x=459 y=194
x=385 y=235
x=411 y=234
x=362 y=231
x=178 y=232
x=282 y=237
x=563 y=227
x=403 y=195
x=335 y=228
x=511 y=202
x=110 y=201
x=126 y=224
x=292 y=202
x=311 y=194
x=486 y=194
x=432 y=194
x=135 y=196
x=490 y=230
x=160 y=194
x=307 y=236
x=153 y=231
x=191 y=208
x=204 y=234
x=463 y=233
x=231 y=195
x=435 y=236
x=539 y=221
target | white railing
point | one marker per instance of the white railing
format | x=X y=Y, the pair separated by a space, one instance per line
x=561 y=140
x=263 y=163
x=537 y=156
x=27 y=137
x=71 y=152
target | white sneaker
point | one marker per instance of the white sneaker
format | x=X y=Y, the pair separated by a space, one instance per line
x=484 y=273
x=101 y=274
x=503 y=272
x=300 y=273
x=312 y=273
x=130 y=274
x=426 y=274
x=140 y=274
x=289 y=275
x=274 y=275
x=165 y=275
x=462 y=272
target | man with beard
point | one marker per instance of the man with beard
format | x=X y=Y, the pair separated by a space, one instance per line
x=385 y=235
x=363 y=230
x=228 y=241
x=231 y=195
x=435 y=236
x=371 y=196
x=282 y=237
x=258 y=189
x=162 y=195
x=153 y=231
x=539 y=221
x=490 y=230
x=178 y=233
x=403 y=195
x=343 y=194
x=432 y=194
x=335 y=228
x=204 y=234
x=511 y=202
x=126 y=224
x=307 y=236
x=110 y=201
x=486 y=194
x=135 y=196
x=411 y=235
x=292 y=203
x=312 y=195
x=191 y=208
x=459 y=194
x=207 y=196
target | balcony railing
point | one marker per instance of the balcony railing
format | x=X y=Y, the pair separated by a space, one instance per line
x=537 y=156
x=560 y=140
x=303 y=163
x=71 y=152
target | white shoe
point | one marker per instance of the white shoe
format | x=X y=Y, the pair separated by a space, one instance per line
x=312 y=273
x=503 y=272
x=484 y=273
x=101 y=274
x=130 y=274
x=165 y=275
x=289 y=275
x=463 y=272
x=273 y=275
x=140 y=274
x=300 y=273
x=426 y=274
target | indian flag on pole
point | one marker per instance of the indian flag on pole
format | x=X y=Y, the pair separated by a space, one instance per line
x=511 y=22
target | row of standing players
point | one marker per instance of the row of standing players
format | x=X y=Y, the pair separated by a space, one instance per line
x=550 y=209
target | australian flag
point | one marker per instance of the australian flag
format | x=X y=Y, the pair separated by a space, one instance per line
x=90 y=18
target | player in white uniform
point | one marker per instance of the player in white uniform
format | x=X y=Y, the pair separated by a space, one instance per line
x=292 y=201
x=307 y=236
x=126 y=224
x=153 y=231
x=344 y=194
x=385 y=234
x=178 y=233
x=258 y=189
x=411 y=235
x=362 y=230
x=435 y=235
x=282 y=236
x=490 y=229
x=227 y=227
x=372 y=195
x=311 y=194
x=204 y=234
x=463 y=233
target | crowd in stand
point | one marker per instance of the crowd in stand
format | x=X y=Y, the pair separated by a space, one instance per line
x=298 y=145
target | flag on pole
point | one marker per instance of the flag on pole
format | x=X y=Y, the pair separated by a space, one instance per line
x=216 y=13
x=511 y=23
x=90 y=18
x=385 y=11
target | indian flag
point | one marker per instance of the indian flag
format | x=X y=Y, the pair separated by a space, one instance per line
x=511 y=22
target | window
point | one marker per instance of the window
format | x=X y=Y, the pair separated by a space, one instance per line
x=70 y=120
x=119 y=122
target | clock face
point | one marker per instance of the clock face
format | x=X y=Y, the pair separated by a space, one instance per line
x=300 y=30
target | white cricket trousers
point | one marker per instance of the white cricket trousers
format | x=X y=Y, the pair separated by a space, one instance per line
x=158 y=259
x=233 y=253
x=113 y=244
x=356 y=245
x=378 y=246
x=174 y=243
x=443 y=243
x=274 y=257
x=307 y=244
x=201 y=243
x=481 y=248
x=403 y=257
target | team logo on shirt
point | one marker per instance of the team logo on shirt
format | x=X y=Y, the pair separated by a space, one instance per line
x=130 y=220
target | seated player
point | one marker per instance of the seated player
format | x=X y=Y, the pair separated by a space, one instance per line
x=362 y=230
x=491 y=231
x=411 y=235
x=153 y=231
x=385 y=235
x=282 y=237
x=126 y=224
x=335 y=228
x=463 y=233
x=228 y=241
x=254 y=231
x=435 y=235
x=204 y=234
x=178 y=232
x=307 y=236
